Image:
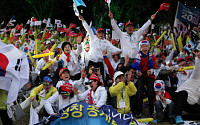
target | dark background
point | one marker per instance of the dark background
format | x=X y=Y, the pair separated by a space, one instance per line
x=137 y=11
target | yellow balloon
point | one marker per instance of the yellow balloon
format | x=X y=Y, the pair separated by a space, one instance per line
x=29 y=54
x=43 y=55
x=180 y=44
x=156 y=43
x=49 y=64
x=51 y=50
x=145 y=120
x=186 y=68
x=174 y=45
x=36 y=45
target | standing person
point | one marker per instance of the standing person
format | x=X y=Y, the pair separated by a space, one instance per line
x=130 y=39
x=97 y=44
x=3 y=109
x=188 y=96
x=69 y=59
x=144 y=64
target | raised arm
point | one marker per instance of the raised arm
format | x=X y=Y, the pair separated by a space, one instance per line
x=114 y=25
x=146 y=25
x=87 y=27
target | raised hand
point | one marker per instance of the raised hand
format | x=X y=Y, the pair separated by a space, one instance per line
x=110 y=15
x=81 y=18
x=153 y=17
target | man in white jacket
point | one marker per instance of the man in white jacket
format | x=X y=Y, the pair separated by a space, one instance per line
x=97 y=44
x=130 y=40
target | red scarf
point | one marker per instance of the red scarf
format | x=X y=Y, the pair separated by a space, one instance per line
x=86 y=50
x=89 y=96
x=68 y=57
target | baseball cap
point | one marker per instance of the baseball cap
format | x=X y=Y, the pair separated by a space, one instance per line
x=62 y=70
x=180 y=59
x=92 y=78
x=118 y=73
x=128 y=23
x=65 y=89
x=47 y=42
x=189 y=58
x=100 y=29
x=46 y=80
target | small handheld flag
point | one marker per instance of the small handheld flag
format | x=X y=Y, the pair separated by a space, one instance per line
x=79 y=3
x=189 y=46
x=75 y=9
x=164 y=6
x=108 y=1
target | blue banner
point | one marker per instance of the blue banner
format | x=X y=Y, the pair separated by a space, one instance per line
x=80 y=113
x=188 y=14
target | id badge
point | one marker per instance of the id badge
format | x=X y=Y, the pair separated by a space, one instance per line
x=122 y=103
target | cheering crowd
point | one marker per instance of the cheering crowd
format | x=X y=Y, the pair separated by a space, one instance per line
x=89 y=68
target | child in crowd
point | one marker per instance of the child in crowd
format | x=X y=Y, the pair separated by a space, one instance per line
x=163 y=102
x=144 y=64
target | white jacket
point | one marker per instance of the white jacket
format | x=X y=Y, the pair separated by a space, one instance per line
x=73 y=66
x=97 y=45
x=59 y=103
x=192 y=85
x=130 y=45
x=99 y=98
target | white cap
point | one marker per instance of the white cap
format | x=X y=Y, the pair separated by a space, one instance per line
x=62 y=32
x=159 y=85
x=47 y=42
x=52 y=40
x=118 y=73
x=154 y=34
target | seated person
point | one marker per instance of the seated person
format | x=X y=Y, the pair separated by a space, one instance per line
x=62 y=98
x=163 y=102
x=43 y=91
x=122 y=92
x=96 y=95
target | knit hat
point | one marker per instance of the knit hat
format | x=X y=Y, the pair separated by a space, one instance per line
x=144 y=42
x=159 y=85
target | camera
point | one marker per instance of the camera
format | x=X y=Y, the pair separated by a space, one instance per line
x=94 y=70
